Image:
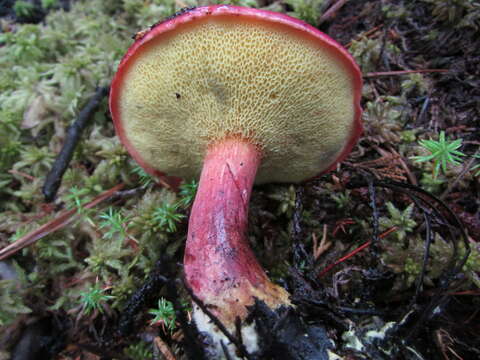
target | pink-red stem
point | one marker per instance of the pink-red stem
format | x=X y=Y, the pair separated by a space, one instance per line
x=220 y=267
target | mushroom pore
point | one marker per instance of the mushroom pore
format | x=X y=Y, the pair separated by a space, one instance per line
x=235 y=96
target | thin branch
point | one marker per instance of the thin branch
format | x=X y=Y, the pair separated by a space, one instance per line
x=20 y=173
x=299 y=252
x=465 y=169
x=59 y=222
x=411 y=177
x=426 y=254
x=332 y=11
x=403 y=72
x=354 y=252
x=74 y=132
x=164 y=348
x=365 y=34
x=145 y=294
x=342 y=259
x=373 y=205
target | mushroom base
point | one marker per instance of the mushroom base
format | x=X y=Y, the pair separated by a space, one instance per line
x=213 y=342
x=220 y=266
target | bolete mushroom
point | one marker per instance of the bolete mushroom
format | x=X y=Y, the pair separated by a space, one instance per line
x=236 y=96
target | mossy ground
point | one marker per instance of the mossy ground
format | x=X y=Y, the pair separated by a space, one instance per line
x=78 y=280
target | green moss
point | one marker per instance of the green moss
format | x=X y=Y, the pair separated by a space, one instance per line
x=49 y=4
x=433 y=184
x=402 y=220
x=285 y=196
x=461 y=13
x=415 y=84
x=342 y=200
x=139 y=351
x=473 y=261
x=23 y=8
x=367 y=52
x=11 y=299
x=306 y=10
x=94 y=298
x=16 y=293
x=384 y=117
x=164 y=314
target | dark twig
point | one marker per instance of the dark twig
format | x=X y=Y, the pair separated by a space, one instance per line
x=60 y=221
x=402 y=72
x=445 y=216
x=423 y=111
x=241 y=348
x=435 y=209
x=297 y=216
x=426 y=253
x=142 y=297
x=332 y=11
x=375 y=215
x=299 y=253
x=225 y=351
x=74 y=132
x=442 y=211
x=126 y=194
x=238 y=329
x=466 y=168
x=351 y=310
x=192 y=347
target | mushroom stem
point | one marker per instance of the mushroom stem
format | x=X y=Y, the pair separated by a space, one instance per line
x=220 y=267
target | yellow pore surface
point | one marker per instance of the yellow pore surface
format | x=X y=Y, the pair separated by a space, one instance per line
x=219 y=78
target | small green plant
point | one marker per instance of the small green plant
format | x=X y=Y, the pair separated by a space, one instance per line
x=167 y=217
x=342 y=199
x=286 y=197
x=144 y=178
x=11 y=299
x=384 y=116
x=476 y=167
x=76 y=200
x=57 y=255
x=402 y=220
x=23 y=8
x=442 y=152
x=453 y=12
x=48 y=4
x=139 y=351
x=307 y=10
x=36 y=159
x=115 y=223
x=412 y=269
x=432 y=184
x=164 y=314
x=187 y=193
x=415 y=83
x=93 y=299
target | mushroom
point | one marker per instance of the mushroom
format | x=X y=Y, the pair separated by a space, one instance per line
x=236 y=96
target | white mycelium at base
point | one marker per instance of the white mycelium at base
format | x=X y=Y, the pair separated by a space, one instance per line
x=205 y=325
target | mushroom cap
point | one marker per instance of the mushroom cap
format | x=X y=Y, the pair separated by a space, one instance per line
x=222 y=71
